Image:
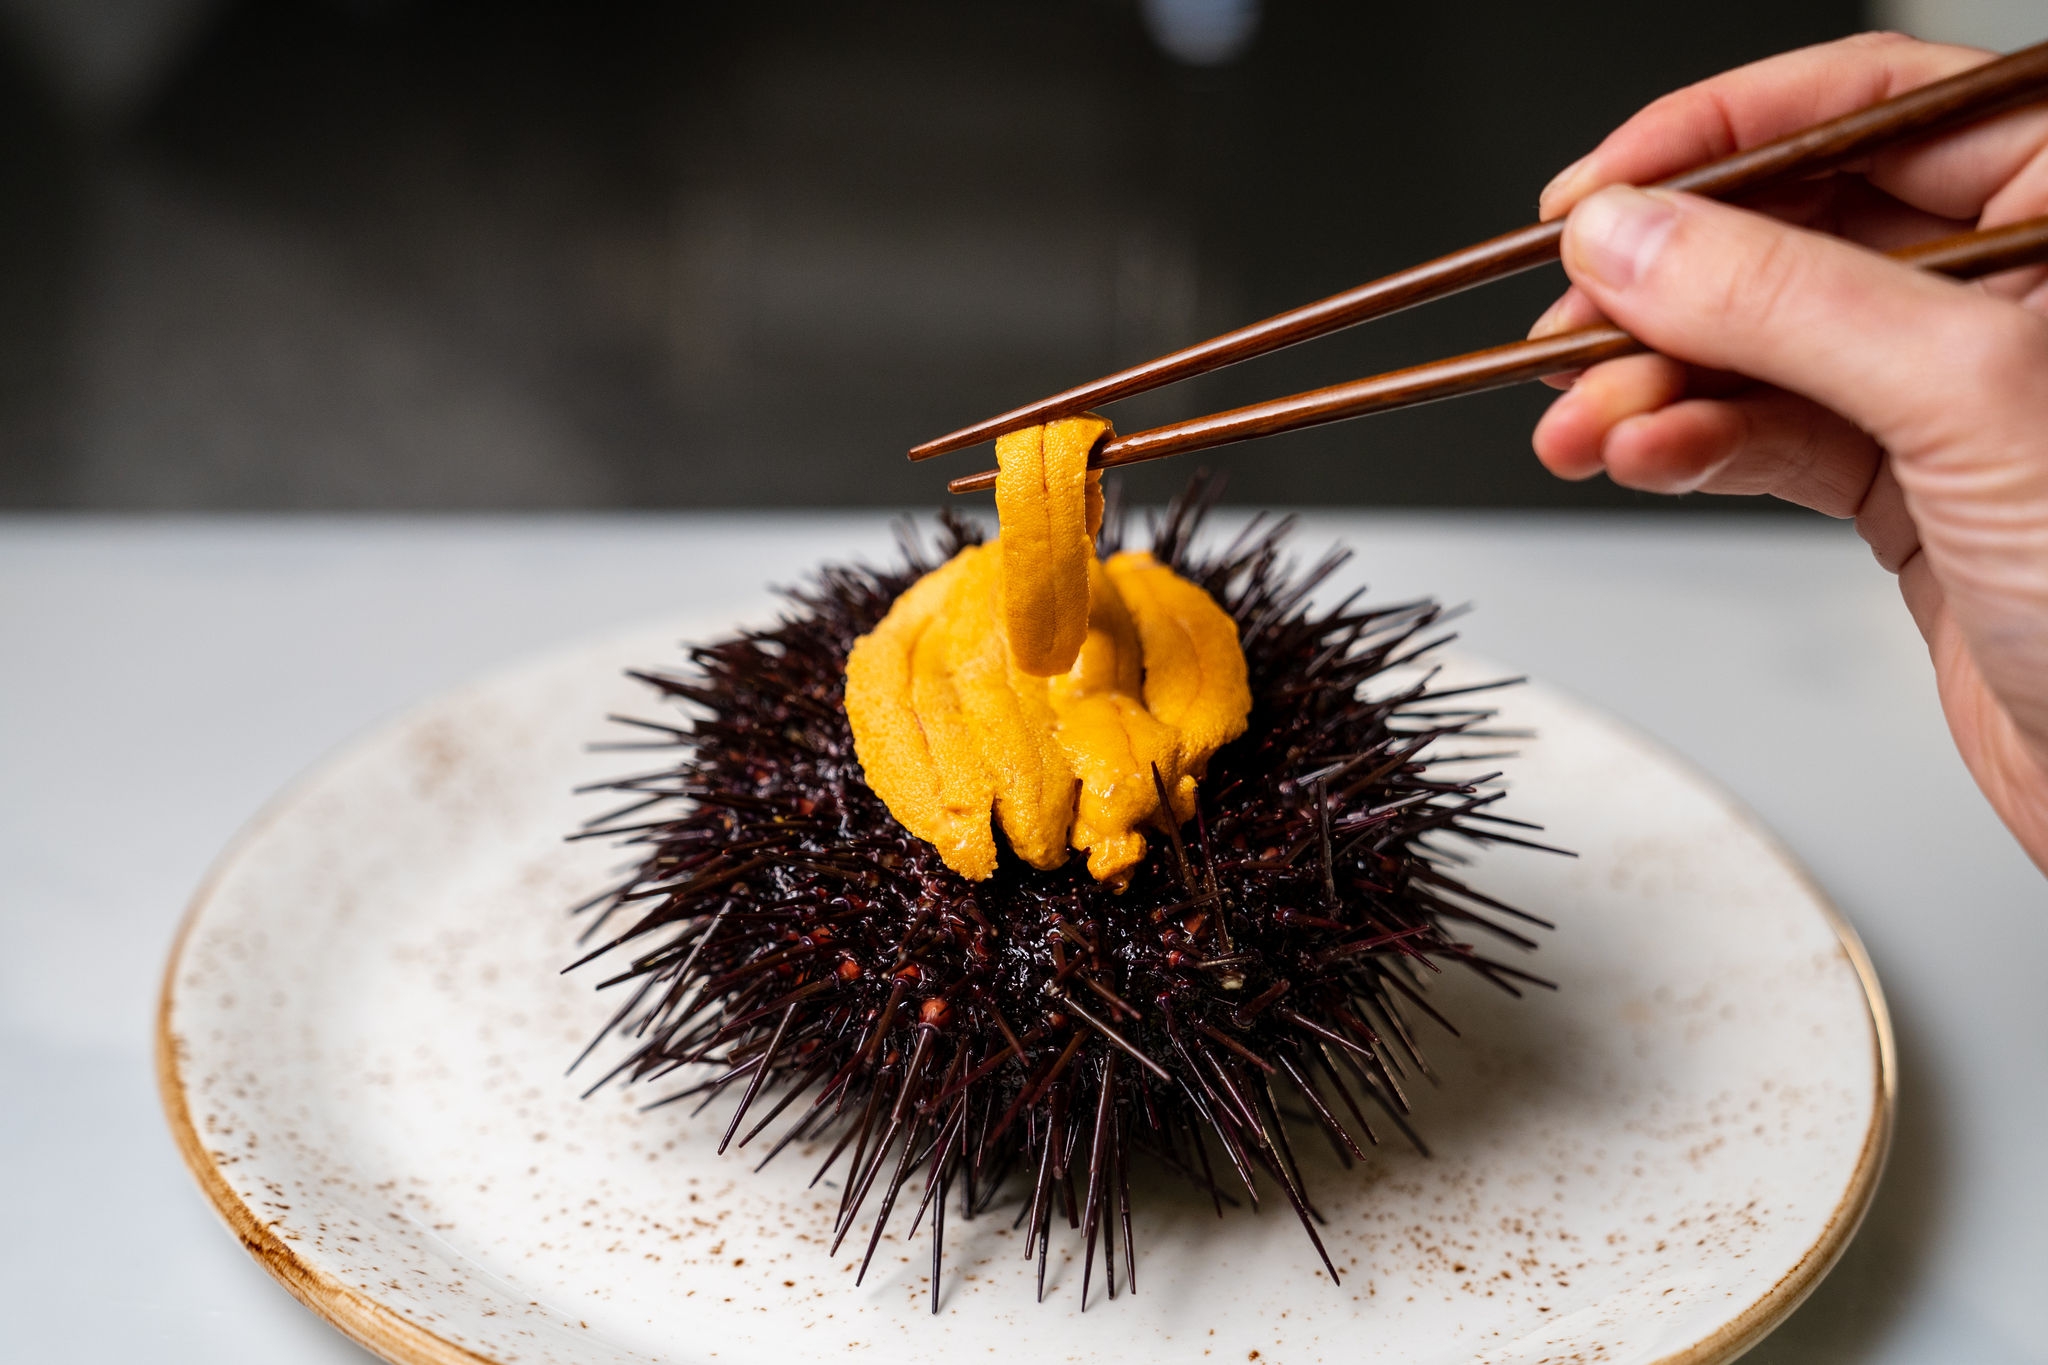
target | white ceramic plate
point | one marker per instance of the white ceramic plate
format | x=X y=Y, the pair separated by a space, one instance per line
x=363 y=1036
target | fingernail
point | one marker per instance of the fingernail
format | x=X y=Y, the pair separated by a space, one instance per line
x=1615 y=236
x=1562 y=181
x=1551 y=321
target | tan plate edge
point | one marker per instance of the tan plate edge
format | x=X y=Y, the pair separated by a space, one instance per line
x=1749 y=1327
x=359 y=1317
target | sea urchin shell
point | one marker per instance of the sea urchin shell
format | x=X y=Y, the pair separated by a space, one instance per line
x=784 y=931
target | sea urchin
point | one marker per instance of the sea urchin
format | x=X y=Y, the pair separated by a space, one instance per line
x=784 y=930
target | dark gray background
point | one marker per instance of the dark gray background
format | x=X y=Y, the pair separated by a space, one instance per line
x=441 y=255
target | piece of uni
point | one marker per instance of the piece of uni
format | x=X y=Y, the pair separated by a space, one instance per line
x=904 y=765
x=1033 y=781
x=1195 y=677
x=1049 y=504
x=961 y=724
x=1113 y=742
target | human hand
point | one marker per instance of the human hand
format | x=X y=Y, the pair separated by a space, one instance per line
x=1793 y=363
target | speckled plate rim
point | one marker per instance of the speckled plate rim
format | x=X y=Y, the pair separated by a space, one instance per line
x=391 y=1335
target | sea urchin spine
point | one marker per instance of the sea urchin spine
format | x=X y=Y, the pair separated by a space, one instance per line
x=782 y=929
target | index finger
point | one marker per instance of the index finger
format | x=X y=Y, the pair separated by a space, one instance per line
x=1953 y=176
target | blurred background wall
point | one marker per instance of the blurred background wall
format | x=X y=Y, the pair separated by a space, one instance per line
x=426 y=254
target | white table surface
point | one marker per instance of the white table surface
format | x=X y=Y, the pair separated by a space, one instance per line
x=160 y=679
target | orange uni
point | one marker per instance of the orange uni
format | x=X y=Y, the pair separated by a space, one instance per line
x=1028 y=685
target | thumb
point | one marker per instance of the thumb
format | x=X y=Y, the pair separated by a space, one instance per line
x=1898 y=351
x=1951 y=381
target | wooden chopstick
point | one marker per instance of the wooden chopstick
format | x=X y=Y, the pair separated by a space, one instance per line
x=1966 y=256
x=2001 y=83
